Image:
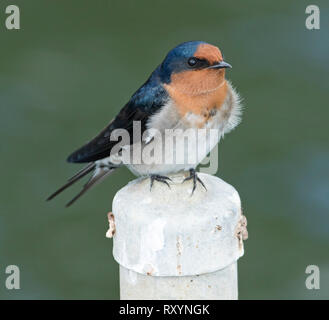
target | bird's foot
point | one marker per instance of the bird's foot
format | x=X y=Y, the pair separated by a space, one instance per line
x=194 y=177
x=156 y=177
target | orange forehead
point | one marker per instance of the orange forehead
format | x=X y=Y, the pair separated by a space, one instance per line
x=208 y=52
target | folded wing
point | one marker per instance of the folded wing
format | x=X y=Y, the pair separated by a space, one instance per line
x=144 y=103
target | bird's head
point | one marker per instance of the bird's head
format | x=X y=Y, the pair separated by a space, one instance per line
x=193 y=65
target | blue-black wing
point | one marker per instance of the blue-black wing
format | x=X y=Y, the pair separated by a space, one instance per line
x=144 y=103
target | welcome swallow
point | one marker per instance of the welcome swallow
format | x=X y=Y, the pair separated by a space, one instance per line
x=188 y=90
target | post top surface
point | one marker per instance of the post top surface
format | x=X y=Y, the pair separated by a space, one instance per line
x=168 y=232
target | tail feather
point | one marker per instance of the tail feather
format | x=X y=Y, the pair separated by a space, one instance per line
x=85 y=170
x=99 y=175
x=73 y=179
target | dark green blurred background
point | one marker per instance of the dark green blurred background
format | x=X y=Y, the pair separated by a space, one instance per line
x=74 y=64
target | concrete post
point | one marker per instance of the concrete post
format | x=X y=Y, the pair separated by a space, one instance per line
x=171 y=245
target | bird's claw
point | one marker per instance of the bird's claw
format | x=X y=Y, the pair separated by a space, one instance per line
x=194 y=177
x=156 y=177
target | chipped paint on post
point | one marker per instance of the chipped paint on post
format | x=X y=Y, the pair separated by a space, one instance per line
x=111 y=231
x=241 y=231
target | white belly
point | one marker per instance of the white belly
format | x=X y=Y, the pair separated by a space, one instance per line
x=174 y=150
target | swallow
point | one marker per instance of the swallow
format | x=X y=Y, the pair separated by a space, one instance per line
x=188 y=90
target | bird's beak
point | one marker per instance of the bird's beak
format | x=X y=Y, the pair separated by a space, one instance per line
x=220 y=65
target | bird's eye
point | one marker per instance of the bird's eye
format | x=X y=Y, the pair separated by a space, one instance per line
x=191 y=62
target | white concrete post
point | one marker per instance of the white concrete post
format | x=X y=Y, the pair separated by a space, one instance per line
x=171 y=245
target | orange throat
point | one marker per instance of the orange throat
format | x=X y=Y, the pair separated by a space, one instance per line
x=197 y=92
